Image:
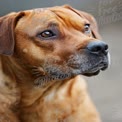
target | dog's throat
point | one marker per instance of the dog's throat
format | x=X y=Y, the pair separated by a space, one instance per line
x=45 y=80
x=45 y=75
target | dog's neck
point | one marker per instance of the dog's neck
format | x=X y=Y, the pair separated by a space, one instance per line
x=11 y=73
x=36 y=102
x=24 y=82
x=9 y=91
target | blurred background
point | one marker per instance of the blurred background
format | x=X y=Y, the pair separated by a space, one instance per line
x=106 y=88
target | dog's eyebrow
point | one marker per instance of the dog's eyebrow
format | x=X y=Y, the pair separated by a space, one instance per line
x=53 y=24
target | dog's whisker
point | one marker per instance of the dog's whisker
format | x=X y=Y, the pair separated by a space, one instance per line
x=35 y=72
x=38 y=75
x=35 y=69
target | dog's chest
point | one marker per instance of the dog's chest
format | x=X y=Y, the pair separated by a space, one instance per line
x=57 y=105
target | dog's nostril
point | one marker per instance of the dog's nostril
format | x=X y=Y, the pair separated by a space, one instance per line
x=97 y=47
x=106 y=47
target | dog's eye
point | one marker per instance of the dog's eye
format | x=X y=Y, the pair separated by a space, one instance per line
x=47 y=34
x=87 y=28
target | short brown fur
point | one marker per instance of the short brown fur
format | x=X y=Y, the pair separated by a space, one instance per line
x=23 y=57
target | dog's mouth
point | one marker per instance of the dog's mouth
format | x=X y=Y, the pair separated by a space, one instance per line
x=90 y=65
x=95 y=70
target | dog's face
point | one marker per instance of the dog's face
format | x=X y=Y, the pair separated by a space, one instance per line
x=59 y=43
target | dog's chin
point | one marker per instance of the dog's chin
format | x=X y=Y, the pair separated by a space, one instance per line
x=95 y=71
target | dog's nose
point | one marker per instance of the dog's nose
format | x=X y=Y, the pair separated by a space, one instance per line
x=98 y=47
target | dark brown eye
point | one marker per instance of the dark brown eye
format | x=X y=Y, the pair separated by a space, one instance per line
x=87 y=28
x=47 y=34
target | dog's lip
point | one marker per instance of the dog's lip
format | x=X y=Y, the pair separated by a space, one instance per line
x=96 y=70
x=91 y=74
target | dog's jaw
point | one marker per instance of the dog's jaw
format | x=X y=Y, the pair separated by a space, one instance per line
x=77 y=64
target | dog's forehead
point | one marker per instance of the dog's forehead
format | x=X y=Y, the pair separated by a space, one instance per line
x=59 y=13
x=41 y=15
x=38 y=10
x=40 y=18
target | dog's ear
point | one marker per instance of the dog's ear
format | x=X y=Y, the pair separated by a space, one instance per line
x=90 y=18
x=7 y=25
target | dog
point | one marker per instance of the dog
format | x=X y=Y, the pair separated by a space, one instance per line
x=44 y=54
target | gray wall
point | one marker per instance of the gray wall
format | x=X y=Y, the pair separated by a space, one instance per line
x=17 y=5
x=106 y=89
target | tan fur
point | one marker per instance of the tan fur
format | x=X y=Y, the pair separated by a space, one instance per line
x=55 y=101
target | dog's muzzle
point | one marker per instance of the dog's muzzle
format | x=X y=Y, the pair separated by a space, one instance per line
x=91 y=60
x=98 y=50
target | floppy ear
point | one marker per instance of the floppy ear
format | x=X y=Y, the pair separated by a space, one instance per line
x=90 y=18
x=7 y=25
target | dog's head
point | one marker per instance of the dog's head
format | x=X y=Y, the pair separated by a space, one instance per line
x=56 y=43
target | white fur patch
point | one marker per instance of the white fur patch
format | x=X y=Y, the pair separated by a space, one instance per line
x=109 y=59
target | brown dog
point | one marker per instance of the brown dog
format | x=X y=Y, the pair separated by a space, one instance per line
x=44 y=52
